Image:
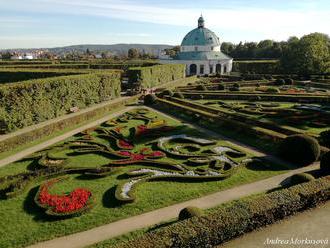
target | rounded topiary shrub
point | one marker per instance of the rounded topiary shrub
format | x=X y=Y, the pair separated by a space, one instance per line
x=301 y=178
x=221 y=87
x=325 y=138
x=233 y=88
x=325 y=163
x=299 y=149
x=288 y=81
x=236 y=85
x=280 y=81
x=150 y=99
x=167 y=93
x=201 y=87
x=272 y=90
x=189 y=212
x=178 y=95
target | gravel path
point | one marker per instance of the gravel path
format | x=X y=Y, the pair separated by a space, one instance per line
x=59 y=138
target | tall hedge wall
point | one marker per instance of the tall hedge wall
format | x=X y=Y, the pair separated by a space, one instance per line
x=26 y=103
x=259 y=67
x=17 y=75
x=82 y=65
x=155 y=75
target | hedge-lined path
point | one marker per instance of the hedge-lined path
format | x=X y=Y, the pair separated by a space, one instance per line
x=312 y=224
x=127 y=225
x=52 y=141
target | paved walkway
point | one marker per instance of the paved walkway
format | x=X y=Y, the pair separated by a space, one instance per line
x=57 y=139
x=124 y=226
x=312 y=224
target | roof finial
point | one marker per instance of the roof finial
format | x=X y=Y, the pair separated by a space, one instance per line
x=201 y=22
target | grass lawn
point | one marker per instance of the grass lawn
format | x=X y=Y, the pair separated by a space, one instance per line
x=23 y=223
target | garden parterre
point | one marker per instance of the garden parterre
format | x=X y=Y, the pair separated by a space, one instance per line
x=135 y=163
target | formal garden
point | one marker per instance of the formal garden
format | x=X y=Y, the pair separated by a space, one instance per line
x=137 y=162
x=188 y=142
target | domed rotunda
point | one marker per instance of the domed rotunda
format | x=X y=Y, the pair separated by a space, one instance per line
x=200 y=52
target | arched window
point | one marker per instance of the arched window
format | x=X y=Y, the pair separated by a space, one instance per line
x=193 y=69
x=201 y=69
x=218 y=68
x=225 y=69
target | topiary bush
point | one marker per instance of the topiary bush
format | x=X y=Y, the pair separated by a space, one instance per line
x=280 y=82
x=190 y=212
x=167 y=93
x=301 y=178
x=178 y=95
x=236 y=85
x=201 y=87
x=150 y=99
x=325 y=138
x=233 y=88
x=272 y=90
x=325 y=163
x=299 y=149
x=221 y=87
x=288 y=81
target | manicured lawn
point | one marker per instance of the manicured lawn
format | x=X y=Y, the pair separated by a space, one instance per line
x=23 y=223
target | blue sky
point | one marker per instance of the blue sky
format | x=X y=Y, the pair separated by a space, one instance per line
x=50 y=23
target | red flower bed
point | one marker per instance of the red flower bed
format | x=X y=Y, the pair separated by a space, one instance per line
x=145 y=153
x=78 y=200
x=123 y=144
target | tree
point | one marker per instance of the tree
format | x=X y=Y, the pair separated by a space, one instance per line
x=308 y=55
x=133 y=53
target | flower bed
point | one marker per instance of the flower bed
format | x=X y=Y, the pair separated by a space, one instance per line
x=77 y=202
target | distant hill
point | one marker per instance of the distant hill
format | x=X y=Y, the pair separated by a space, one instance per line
x=116 y=48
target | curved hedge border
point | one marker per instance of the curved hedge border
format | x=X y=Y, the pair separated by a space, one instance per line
x=241 y=217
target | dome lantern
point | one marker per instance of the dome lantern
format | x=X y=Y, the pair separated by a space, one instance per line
x=201 y=22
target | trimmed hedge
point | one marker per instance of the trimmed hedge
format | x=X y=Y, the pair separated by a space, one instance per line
x=156 y=75
x=190 y=212
x=325 y=163
x=35 y=101
x=325 y=138
x=75 y=119
x=259 y=67
x=301 y=178
x=225 y=223
x=300 y=149
x=150 y=99
x=17 y=75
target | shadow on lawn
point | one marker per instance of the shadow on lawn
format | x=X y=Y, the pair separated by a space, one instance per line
x=31 y=208
x=109 y=200
x=264 y=164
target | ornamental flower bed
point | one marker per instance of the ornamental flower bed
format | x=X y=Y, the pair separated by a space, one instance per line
x=124 y=144
x=143 y=154
x=77 y=202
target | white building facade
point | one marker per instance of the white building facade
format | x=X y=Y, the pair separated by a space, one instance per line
x=200 y=52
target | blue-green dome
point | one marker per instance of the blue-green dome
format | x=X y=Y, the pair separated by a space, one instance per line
x=201 y=36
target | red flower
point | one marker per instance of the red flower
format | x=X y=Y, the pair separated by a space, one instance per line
x=125 y=145
x=73 y=202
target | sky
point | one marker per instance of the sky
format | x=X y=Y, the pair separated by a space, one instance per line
x=52 y=23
